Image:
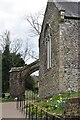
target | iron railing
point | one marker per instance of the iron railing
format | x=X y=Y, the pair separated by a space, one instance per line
x=32 y=111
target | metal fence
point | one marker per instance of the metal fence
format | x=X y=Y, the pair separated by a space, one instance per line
x=33 y=112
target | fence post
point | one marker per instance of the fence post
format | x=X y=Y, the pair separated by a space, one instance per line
x=26 y=110
x=46 y=116
x=32 y=110
x=24 y=105
x=36 y=112
x=53 y=118
x=20 y=102
x=29 y=110
x=41 y=115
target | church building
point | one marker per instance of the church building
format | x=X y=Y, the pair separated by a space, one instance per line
x=59 y=48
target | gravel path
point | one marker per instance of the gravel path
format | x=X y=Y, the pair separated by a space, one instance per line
x=9 y=110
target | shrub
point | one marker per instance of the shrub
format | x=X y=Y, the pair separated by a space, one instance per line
x=3 y=95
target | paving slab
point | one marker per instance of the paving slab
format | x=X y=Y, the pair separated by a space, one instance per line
x=9 y=110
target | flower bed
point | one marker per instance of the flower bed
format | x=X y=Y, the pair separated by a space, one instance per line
x=57 y=103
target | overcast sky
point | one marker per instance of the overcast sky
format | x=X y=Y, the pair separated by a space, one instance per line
x=12 y=17
x=12 y=13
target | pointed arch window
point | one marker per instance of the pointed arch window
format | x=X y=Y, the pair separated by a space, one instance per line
x=48 y=46
x=47 y=36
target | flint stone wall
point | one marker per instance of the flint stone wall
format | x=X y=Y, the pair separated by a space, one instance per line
x=69 y=55
x=64 y=72
x=49 y=82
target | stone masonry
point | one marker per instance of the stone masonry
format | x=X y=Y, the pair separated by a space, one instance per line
x=49 y=77
x=18 y=75
x=68 y=54
x=64 y=72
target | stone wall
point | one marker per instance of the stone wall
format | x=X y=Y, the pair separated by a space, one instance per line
x=17 y=84
x=18 y=75
x=49 y=82
x=64 y=72
x=68 y=52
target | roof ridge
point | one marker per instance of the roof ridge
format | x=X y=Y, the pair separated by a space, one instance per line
x=63 y=1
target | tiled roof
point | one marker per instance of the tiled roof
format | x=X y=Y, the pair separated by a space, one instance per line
x=72 y=9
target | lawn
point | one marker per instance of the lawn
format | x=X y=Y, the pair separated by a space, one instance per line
x=7 y=100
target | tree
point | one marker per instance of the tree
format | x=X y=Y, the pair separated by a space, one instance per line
x=30 y=83
x=17 y=47
x=0 y=73
x=16 y=60
x=4 y=40
x=9 y=60
x=6 y=66
x=35 y=22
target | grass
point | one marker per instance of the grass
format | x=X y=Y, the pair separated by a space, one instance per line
x=7 y=100
x=57 y=103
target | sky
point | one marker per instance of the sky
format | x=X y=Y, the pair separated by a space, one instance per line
x=12 y=18
x=12 y=12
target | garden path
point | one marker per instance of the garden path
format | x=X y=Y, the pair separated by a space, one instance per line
x=9 y=110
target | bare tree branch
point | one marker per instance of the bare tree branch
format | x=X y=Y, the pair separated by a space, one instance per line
x=4 y=39
x=16 y=45
x=35 y=22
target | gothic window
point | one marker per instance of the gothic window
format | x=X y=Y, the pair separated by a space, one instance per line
x=48 y=46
